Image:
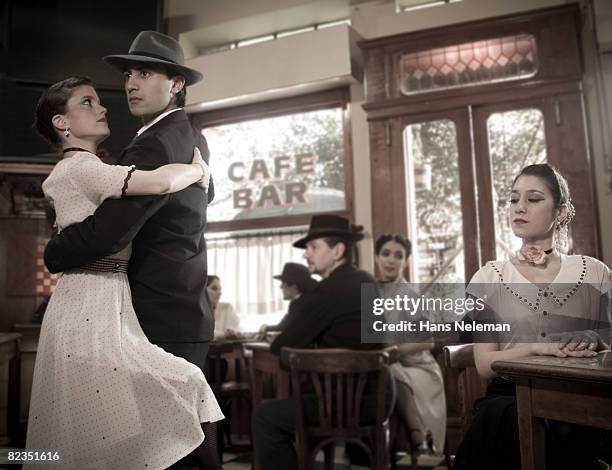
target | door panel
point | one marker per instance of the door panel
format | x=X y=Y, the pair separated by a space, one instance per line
x=440 y=202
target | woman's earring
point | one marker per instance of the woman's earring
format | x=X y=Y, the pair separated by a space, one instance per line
x=67 y=132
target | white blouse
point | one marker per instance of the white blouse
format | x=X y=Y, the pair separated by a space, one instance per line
x=226 y=318
x=579 y=298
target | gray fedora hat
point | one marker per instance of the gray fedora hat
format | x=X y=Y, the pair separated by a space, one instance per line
x=330 y=226
x=156 y=48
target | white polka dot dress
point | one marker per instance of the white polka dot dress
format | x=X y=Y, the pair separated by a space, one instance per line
x=103 y=396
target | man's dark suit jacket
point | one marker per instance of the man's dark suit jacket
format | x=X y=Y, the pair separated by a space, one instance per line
x=167 y=270
x=295 y=307
x=330 y=315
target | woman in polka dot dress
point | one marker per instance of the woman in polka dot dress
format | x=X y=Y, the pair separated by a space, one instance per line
x=103 y=396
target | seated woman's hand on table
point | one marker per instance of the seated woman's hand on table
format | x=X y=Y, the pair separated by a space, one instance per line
x=563 y=349
x=580 y=340
x=233 y=334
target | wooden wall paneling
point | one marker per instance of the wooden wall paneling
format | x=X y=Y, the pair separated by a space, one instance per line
x=398 y=178
x=17 y=309
x=484 y=180
x=467 y=185
x=568 y=150
x=303 y=103
x=383 y=196
x=478 y=95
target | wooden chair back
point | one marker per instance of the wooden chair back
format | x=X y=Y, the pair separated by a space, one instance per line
x=468 y=387
x=339 y=380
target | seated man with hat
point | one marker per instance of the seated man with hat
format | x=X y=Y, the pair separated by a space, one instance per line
x=329 y=317
x=295 y=282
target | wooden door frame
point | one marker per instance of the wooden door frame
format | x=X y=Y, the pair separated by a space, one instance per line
x=558 y=79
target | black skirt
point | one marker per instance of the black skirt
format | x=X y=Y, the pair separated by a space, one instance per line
x=492 y=442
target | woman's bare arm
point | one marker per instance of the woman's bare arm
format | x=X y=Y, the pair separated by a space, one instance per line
x=168 y=178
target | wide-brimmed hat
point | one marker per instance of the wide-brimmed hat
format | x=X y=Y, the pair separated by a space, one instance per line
x=330 y=226
x=152 y=47
x=294 y=273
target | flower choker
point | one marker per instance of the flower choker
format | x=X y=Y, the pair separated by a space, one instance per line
x=533 y=254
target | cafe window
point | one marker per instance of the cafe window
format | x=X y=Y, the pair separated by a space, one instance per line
x=278 y=163
x=274 y=165
x=246 y=263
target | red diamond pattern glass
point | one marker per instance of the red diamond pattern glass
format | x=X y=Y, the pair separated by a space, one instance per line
x=474 y=63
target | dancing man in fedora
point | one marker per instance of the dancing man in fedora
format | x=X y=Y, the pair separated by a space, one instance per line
x=167 y=269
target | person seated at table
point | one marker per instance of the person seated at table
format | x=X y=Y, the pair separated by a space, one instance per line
x=227 y=322
x=329 y=318
x=536 y=291
x=419 y=386
x=295 y=281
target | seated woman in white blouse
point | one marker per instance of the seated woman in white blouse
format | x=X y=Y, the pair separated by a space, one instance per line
x=557 y=305
x=227 y=321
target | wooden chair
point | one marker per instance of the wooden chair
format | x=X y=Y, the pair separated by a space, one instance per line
x=337 y=378
x=459 y=361
x=227 y=373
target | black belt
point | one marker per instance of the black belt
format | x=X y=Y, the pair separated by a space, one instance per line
x=107 y=265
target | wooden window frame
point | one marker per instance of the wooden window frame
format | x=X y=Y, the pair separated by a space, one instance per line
x=338 y=97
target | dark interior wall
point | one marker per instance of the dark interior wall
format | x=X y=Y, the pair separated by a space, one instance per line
x=41 y=42
x=44 y=41
x=19 y=142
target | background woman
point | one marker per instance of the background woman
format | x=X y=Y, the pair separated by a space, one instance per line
x=103 y=396
x=418 y=378
x=554 y=303
x=227 y=321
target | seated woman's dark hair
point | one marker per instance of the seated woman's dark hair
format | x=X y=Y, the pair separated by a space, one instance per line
x=212 y=278
x=554 y=180
x=388 y=237
x=53 y=101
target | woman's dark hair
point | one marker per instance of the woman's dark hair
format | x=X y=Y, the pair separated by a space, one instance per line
x=388 y=237
x=53 y=101
x=212 y=278
x=555 y=181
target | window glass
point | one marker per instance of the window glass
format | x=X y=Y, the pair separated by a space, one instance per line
x=473 y=63
x=434 y=202
x=516 y=139
x=277 y=166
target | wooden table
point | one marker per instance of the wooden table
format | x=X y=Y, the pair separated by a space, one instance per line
x=9 y=353
x=264 y=365
x=574 y=390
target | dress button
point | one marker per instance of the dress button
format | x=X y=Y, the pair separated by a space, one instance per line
x=543 y=335
x=544 y=312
